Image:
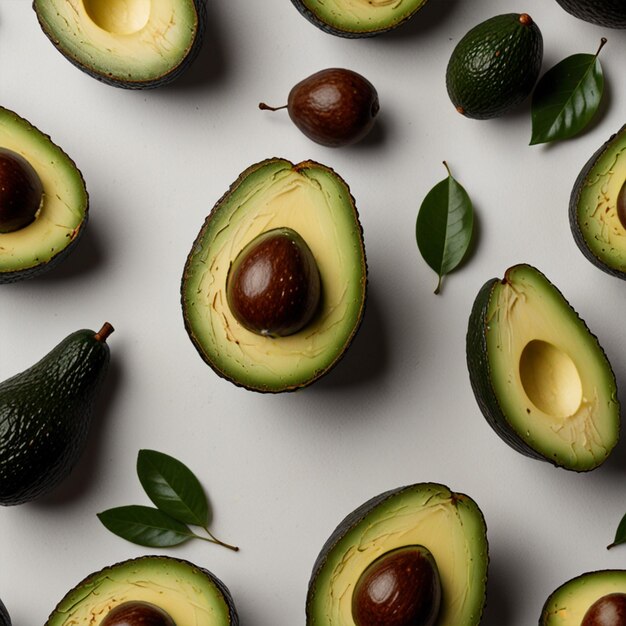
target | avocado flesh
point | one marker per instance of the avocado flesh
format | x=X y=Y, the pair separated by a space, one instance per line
x=63 y=212
x=594 y=217
x=449 y=525
x=313 y=201
x=568 y=604
x=188 y=594
x=554 y=392
x=358 y=17
x=128 y=43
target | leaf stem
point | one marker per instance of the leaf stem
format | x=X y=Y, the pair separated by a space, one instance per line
x=214 y=539
x=448 y=169
x=602 y=43
x=438 y=289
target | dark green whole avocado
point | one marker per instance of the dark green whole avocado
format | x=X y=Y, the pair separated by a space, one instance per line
x=541 y=380
x=597 y=209
x=148 y=591
x=591 y=599
x=363 y=18
x=45 y=414
x=43 y=200
x=5 y=619
x=134 y=45
x=607 y=13
x=438 y=535
x=495 y=66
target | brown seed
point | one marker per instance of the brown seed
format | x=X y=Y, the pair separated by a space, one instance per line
x=137 y=613
x=609 y=610
x=621 y=205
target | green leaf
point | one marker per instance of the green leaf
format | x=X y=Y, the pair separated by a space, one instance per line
x=173 y=487
x=444 y=226
x=567 y=97
x=620 y=534
x=145 y=526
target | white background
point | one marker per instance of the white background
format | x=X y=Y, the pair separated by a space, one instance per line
x=282 y=471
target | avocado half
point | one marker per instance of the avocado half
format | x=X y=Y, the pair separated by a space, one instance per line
x=540 y=377
x=597 y=224
x=567 y=605
x=607 y=13
x=315 y=202
x=135 y=44
x=187 y=593
x=449 y=525
x=357 y=18
x=63 y=213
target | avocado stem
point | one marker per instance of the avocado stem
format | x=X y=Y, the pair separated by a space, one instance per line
x=214 y=539
x=104 y=332
x=602 y=44
x=525 y=19
x=266 y=107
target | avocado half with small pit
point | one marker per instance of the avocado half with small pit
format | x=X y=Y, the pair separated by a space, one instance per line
x=43 y=200
x=155 y=590
x=539 y=375
x=592 y=599
x=597 y=210
x=607 y=13
x=357 y=18
x=135 y=44
x=403 y=541
x=273 y=290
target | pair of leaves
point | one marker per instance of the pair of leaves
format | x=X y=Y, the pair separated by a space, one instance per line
x=567 y=97
x=445 y=223
x=179 y=498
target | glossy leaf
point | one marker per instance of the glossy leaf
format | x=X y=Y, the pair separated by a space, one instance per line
x=145 y=526
x=173 y=487
x=620 y=534
x=567 y=97
x=444 y=226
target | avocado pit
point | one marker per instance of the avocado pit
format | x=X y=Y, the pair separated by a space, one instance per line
x=136 y=613
x=21 y=191
x=400 y=588
x=609 y=610
x=621 y=205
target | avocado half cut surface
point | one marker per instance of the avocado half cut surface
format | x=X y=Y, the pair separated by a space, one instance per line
x=313 y=201
x=540 y=377
x=187 y=593
x=569 y=604
x=449 y=525
x=135 y=44
x=607 y=13
x=357 y=18
x=42 y=242
x=597 y=210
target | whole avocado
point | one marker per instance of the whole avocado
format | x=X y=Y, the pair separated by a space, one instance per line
x=495 y=66
x=607 y=13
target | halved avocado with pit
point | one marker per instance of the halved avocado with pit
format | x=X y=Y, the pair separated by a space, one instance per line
x=313 y=201
x=357 y=18
x=135 y=44
x=449 y=525
x=186 y=593
x=30 y=246
x=539 y=375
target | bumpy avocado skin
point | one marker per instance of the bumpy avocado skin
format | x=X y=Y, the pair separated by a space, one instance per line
x=607 y=13
x=575 y=225
x=109 y=79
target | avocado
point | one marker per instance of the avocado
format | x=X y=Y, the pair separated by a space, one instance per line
x=134 y=45
x=607 y=13
x=184 y=592
x=5 y=619
x=540 y=378
x=43 y=200
x=597 y=209
x=313 y=201
x=45 y=414
x=495 y=66
x=427 y=518
x=572 y=604
x=360 y=18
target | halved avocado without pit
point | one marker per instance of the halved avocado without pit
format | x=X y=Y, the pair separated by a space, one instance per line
x=273 y=290
x=135 y=44
x=540 y=377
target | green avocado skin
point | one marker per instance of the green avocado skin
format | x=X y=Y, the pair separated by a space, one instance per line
x=45 y=414
x=495 y=66
x=607 y=13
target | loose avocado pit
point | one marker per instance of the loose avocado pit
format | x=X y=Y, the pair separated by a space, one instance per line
x=273 y=286
x=136 y=613
x=21 y=191
x=609 y=610
x=400 y=588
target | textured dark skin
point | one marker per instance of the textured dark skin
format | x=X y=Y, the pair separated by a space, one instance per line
x=607 y=13
x=609 y=610
x=334 y=107
x=5 y=620
x=400 y=588
x=273 y=287
x=21 y=191
x=45 y=414
x=136 y=613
